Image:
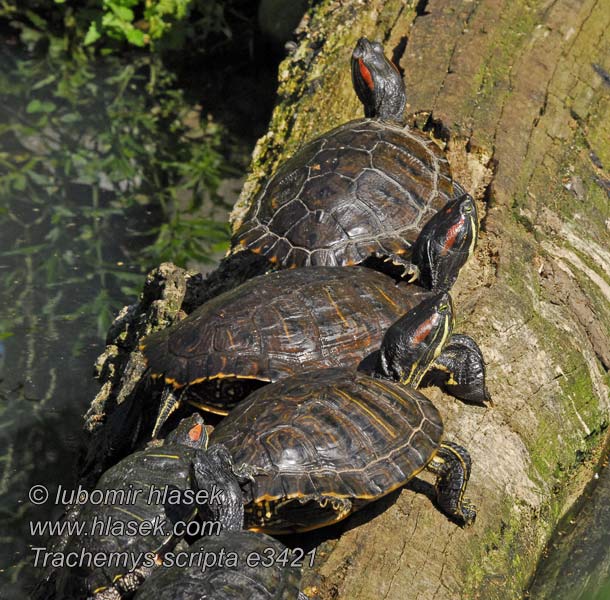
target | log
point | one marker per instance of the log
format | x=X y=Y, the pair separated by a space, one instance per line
x=517 y=92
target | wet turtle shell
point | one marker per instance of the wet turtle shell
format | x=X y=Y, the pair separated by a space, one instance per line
x=366 y=188
x=275 y=325
x=246 y=565
x=319 y=445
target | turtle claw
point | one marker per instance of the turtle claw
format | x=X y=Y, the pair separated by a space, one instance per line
x=469 y=513
x=414 y=275
x=408 y=267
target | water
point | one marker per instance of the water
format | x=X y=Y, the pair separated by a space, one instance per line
x=49 y=321
x=80 y=182
x=577 y=566
x=88 y=174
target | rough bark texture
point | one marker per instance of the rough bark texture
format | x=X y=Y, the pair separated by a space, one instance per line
x=518 y=91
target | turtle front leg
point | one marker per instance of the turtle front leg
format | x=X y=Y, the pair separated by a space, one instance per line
x=126 y=585
x=452 y=464
x=410 y=271
x=460 y=370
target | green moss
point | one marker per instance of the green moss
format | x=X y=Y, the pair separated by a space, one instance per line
x=504 y=560
x=499 y=568
x=491 y=83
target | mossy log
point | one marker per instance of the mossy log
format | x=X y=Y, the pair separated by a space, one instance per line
x=518 y=93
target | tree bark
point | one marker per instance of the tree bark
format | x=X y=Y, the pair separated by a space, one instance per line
x=518 y=92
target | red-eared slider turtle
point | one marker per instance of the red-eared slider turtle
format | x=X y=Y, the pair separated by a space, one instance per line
x=231 y=566
x=283 y=323
x=371 y=187
x=315 y=447
x=128 y=516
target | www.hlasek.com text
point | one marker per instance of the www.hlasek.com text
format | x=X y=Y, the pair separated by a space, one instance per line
x=109 y=526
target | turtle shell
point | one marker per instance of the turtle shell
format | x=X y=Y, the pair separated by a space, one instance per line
x=313 y=441
x=132 y=495
x=234 y=564
x=279 y=324
x=365 y=188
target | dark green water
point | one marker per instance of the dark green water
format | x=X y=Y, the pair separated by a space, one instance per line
x=58 y=289
x=577 y=566
x=101 y=178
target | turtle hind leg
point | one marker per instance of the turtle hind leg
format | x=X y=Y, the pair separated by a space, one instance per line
x=451 y=464
x=232 y=271
x=169 y=402
x=460 y=371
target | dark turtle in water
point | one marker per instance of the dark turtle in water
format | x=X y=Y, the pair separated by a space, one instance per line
x=231 y=566
x=131 y=519
x=371 y=187
x=283 y=323
x=313 y=448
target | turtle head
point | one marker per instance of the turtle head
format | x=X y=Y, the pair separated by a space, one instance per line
x=377 y=82
x=213 y=471
x=445 y=244
x=190 y=432
x=412 y=343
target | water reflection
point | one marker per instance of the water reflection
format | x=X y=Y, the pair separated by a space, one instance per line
x=85 y=183
x=50 y=340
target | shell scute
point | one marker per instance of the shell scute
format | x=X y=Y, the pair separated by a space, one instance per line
x=279 y=324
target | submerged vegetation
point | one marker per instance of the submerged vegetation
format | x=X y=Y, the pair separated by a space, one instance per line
x=90 y=133
x=114 y=141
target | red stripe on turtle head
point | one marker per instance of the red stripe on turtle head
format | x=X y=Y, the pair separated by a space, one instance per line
x=195 y=432
x=452 y=235
x=423 y=331
x=366 y=75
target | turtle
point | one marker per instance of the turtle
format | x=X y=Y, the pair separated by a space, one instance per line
x=278 y=324
x=371 y=187
x=133 y=493
x=232 y=565
x=313 y=448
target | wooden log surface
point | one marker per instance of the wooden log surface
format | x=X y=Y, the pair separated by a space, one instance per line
x=519 y=94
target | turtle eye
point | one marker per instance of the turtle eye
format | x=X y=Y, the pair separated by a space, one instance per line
x=443 y=307
x=468 y=209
